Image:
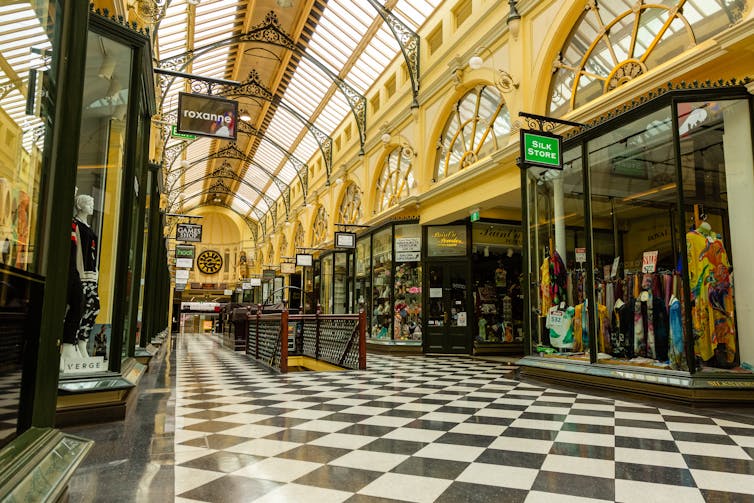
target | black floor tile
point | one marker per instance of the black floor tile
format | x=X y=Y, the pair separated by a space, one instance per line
x=511 y=458
x=466 y=439
x=393 y=446
x=647 y=444
x=575 y=485
x=216 y=441
x=583 y=450
x=654 y=474
x=231 y=489
x=475 y=493
x=222 y=461
x=530 y=433
x=338 y=477
x=314 y=453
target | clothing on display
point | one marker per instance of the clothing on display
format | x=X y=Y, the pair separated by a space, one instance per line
x=712 y=311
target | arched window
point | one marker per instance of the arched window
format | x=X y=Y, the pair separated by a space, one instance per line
x=615 y=41
x=298 y=241
x=478 y=125
x=350 y=206
x=270 y=254
x=397 y=178
x=320 y=226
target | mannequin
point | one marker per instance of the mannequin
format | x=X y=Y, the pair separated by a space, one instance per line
x=83 y=298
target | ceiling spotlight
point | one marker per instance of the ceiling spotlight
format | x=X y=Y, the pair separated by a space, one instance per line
x=244 y=116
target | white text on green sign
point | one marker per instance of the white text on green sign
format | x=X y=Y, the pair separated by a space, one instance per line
x=541 y=150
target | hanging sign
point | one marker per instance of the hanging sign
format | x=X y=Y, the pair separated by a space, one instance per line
x=268 y=274
x=304 y=259
x=649 y=262
x=255 y=282
x=205 y=115
x=287 y=268
x=345 y=240
x=246 y=286
x=580 y=255
x=541 y=149
x=188 y=232
x=185 y=251
x=185 y=263
x=181 y=274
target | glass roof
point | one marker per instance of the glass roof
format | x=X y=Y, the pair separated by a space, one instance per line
x=346 y=38
x=23 y=41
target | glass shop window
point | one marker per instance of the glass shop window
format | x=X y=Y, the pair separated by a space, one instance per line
x=407 y=305
x=382 y=265
x=556 y=210
x=99 y=184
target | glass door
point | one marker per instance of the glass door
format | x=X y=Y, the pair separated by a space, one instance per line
x=448 y=315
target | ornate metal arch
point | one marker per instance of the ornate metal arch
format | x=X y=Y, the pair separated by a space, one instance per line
x=253 y=88
x=409 y=42
x=267 y=199
x=233 y=152
x=269 y=32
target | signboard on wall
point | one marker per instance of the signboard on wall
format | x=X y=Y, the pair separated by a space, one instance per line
x=205 y=115
x=268 y=274
x=191 y=233
x=185 y=251
x=446 y=241
x=255 y=282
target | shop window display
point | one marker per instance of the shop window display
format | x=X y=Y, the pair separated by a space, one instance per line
x=664 y=234
x=407 y=287
x=497 y=295
x=382 y=265
x=99 y=185
x=363 y=284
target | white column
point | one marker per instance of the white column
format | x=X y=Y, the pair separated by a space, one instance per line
x=558 y=203
x=739 y=177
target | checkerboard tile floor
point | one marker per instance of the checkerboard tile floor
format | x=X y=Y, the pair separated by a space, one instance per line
x=450 y=429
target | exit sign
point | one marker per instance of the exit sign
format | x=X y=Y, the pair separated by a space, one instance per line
x=541 y=149
x=474 y=216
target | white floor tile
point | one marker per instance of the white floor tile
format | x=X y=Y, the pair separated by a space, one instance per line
x=633 y=491
x=522 y=445
x=724 y=481
x=300 y=493
x=343 y=441
x=498 y=475
x=191 y=478
x=479 y=429
x=714 y=450
x=368 y=460
x=406 y=488
x=646 y=457
x=392 y=421
x=653 y=433
x=278 y=469
x=445 y=417
x=543 y=497
x=580 y=466
x=575 y=437
x=415 y=434
x=253 y=430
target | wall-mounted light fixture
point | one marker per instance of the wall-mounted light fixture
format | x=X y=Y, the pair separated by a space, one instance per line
x=514 y=19
x=244 y=116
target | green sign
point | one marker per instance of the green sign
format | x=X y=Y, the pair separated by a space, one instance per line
x=184 y=251
x=175 y=134
x=474 y=216
x=541 y=149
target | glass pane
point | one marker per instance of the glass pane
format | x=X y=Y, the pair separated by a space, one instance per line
x=100 y=186
x=325 y=294
x=363 y=284
x=340 y=281
x=498 y=299
x=408 y=282
x=716 y=159
x=29 y=33
x=446 y=241
x=634 y=200
x=556 y=210
x=382 y=263
x=436 y=308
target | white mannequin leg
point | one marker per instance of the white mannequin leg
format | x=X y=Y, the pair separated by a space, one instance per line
x=83 y=353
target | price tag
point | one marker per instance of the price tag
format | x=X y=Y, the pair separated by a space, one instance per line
x=649 y=262
x=580 y=255
x=614 y=270
x=554 y=319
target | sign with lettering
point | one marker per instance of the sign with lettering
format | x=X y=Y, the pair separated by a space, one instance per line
x=580 y=255
x=497 y=235
x=185 y=263
x=541 y=149
x=287 y=268
x=446 y=241
x=408 y=244
x=88 y=365
x=205 y=115
x=268 y=274
x=255 y=281
x=191 y=233
x=185 y=251
x=407 y=256
x=181 y=274
x=649 y=262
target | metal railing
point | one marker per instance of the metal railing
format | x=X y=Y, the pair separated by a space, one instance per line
x=338 y=339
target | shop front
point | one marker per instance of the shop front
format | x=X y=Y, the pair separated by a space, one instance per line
x=630 y=251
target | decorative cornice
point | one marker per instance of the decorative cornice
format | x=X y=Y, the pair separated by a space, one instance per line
x=121 y=20
x=660 y=91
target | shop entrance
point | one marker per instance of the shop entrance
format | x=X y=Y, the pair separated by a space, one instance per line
x=448 y=314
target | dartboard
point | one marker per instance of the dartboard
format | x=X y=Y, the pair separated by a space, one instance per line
x=209 y=262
